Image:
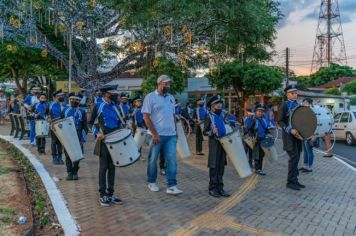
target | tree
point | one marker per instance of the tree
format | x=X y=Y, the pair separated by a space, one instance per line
x=246 y=79
x=350 y=88
x=20 y=63
x=166 y=67
x=327 y=74
x=333 y=91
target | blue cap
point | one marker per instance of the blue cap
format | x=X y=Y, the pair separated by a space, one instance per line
x=260 y=106
x=75 y=96
x=58 y=92
x=291 y=88
x=214 y=100
x=109 y=88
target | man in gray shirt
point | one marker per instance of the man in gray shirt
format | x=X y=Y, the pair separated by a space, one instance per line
x=158 y=113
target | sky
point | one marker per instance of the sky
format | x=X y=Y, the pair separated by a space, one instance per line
x=297 y=31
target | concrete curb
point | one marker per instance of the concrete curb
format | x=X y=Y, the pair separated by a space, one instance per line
x=66 y=220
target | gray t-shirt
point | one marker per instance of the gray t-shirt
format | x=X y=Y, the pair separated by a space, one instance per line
x=161 y=110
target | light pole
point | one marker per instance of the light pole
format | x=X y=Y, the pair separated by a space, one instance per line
x=70 y=60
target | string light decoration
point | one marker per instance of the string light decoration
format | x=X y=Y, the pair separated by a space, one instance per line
x=15 y=22
x=92 y=3
x=106 y=45
x=62 y=28
x=80 y=25
x=44 y=53
x=188 y=38
x=155 y=63
x=201 y=50
x=122 y=21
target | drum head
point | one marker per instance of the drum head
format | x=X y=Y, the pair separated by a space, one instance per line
x=304 y=120
x=117 y=135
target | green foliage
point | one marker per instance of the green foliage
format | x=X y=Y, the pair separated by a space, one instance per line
x=353 y=101
x=327 y=74
x=6 y=214
x=249 y=79
x=350 y=88
x=333 y=91
x=304 y=82
x=164 y=67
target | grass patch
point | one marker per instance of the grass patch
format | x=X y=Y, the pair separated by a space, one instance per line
x=6 y=214
x=4 y=170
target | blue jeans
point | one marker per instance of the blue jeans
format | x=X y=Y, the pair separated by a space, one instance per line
x=168 y=145
x=32 y=131
x=308 y=153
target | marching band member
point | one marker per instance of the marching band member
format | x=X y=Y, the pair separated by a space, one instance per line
x=248 y=120
x=29 y=101
x=137 y=115
x=258 y=130
x=291 y=141
x=125 y=106
x=55 y=112
x=109 y=120
x=199 y=117
x=39 y=110
x=158 y=113
x=214 y=127
x=80 y=120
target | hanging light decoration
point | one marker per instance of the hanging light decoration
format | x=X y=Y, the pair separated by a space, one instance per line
x=122 y=21
x=80 y=25
x=168 y=32
x=182 y=60
x=44 y=53
x=188 y=38
x=106 y=45
x=32 y=39
x=62 y=27
x=92 y=3
x=201 y=50
x=37 y=5
x=9 y=48
x=15 y=22
x=155 y=63
x=184 y=29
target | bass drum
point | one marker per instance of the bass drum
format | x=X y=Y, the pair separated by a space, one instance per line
x=232 y=144
x=304 y=120
x=41 y=128
x=182 y=143
x=140 y=137
x=122 y=147
x=325 y=120
x=67 y=134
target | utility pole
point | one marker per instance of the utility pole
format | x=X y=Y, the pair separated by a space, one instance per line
x=287 y=66
x=329 y=45
x=70 y=60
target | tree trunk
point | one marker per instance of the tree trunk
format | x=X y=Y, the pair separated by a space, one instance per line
x=14 y=74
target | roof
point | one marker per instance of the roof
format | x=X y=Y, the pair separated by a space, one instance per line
x=338 y=82
x=129 y=75
x=319 y=95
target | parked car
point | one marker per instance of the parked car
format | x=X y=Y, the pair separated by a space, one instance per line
x=345 y=126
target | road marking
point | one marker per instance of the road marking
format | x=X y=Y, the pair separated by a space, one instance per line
x=340 y=159
x=215 y=218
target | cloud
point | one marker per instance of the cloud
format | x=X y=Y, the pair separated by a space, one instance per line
x=309 y=9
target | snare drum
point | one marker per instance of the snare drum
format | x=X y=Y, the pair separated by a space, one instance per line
x=325 y=120
x=67 y=134
x=232 y=144
x=122 y=147
x=140 y=136
x=41 y=128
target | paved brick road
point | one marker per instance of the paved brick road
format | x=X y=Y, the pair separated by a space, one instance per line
x=259 y=205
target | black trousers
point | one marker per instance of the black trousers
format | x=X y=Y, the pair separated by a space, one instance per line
x=198 y=139
x=216 y=174
x=106 y=168
x=258 y=154
x=56 y=145
x=72 y=167
x=293 y=161
x=41 y=144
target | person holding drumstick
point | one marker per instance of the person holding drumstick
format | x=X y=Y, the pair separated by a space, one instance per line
x=109 y=120
x=40 y=113
x=292 y=142
x=214 y=127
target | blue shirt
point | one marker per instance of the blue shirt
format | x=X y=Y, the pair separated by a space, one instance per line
x=40 y=110
x=30 y=100
x=178 y=110
x=108 y=112
x=138 y=116
x=261 y=125
x=98 y=99
x=201 y=113
x=217 y=121
x=56 y=109
x=80 y=121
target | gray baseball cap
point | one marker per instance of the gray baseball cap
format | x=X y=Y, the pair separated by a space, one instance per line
x=163 y=78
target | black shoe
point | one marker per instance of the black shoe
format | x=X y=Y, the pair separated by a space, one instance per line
x=293 y=186
x=300 y=185
x=70 y=176
x=115 y=200
x=302 y=169
x=55 y=160
x=105 y=201
x=200 y=153
x=328 y=156
x=260 y=172
x=214 y=193
x=224 y=194
x=307 y=170
x=60 y=160
x=75 y=177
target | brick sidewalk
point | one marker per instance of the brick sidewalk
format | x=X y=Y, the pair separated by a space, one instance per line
x=258 y=206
